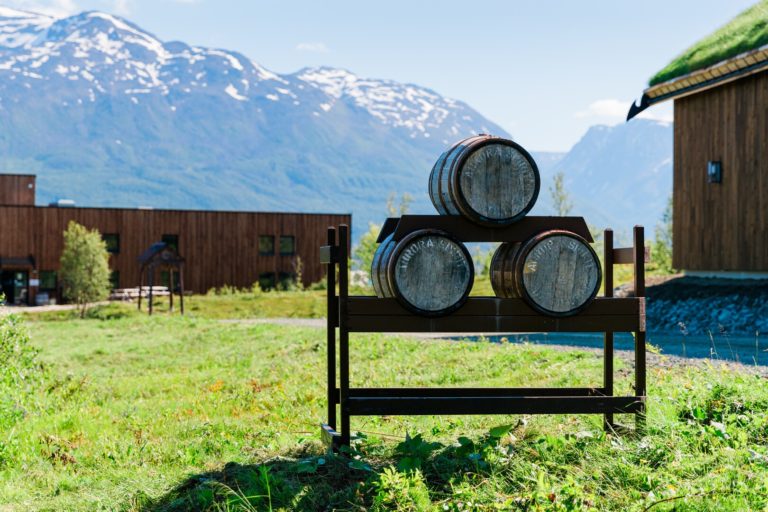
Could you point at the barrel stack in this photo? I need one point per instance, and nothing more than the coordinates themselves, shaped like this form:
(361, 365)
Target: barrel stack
(492, 182)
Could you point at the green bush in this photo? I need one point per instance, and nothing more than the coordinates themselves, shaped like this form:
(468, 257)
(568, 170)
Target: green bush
(21, 374)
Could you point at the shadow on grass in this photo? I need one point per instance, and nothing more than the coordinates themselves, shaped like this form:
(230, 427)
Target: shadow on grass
(312, 483)
(308, 481)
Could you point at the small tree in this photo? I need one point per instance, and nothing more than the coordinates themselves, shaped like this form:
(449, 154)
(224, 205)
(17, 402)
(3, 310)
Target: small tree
(84, 267)
(560, 199)
(366, 247)
(661, 250)
(405, 203)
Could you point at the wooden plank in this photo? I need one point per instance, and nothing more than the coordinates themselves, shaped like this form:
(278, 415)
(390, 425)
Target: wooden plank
(489, 306)
(17, 189)
(626, 255)
(488, 324)
(722, 226)
(419, 406)
(332, 321)
(328, 435)
(608, 260)
(467, 231)
(469, 392)
(388, 228)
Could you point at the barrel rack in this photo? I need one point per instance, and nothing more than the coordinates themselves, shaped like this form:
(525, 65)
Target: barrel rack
(605, 314)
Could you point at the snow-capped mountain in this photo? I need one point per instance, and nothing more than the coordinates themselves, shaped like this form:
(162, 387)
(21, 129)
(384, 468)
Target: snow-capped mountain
(109, 115)
(617, 176)
(106, 113)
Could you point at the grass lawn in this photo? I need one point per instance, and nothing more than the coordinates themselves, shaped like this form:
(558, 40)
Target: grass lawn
(169, 413)
(246, 304)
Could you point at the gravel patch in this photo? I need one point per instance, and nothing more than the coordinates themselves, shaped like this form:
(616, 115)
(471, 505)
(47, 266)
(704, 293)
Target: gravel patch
(690, 305)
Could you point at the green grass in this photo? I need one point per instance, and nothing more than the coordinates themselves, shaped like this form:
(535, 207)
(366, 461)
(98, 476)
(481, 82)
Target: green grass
(167, 413)
(747, 31)
(232, 304)
(244, 304)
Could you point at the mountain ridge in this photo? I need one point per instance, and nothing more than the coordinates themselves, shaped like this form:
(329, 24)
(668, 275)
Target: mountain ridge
(109, 115)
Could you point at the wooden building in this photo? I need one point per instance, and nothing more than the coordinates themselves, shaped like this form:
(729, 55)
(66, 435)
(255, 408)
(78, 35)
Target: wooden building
(220, 248)
(720, 196)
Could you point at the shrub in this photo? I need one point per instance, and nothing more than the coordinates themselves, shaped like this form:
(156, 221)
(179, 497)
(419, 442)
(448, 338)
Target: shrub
(84, 266)
(21, 374)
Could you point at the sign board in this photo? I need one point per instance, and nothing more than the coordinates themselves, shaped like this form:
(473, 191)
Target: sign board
(34, 282)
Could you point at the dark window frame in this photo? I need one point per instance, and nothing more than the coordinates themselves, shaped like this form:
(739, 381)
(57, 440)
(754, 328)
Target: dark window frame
(268, 281)
(263, 252)
(292, 238)
(113, 236)
(55, 280)
(171, 240)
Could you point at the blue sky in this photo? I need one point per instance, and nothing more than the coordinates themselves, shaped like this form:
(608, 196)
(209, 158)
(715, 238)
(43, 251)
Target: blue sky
(544, 70)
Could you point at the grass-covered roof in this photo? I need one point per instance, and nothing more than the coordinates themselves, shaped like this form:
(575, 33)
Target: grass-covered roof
(747, 31)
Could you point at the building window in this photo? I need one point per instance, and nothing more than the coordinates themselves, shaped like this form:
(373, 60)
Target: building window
(266, 245)
(113, 242)
(267, 280)
(47, 280)
(287, 245)
(114, 279)
(171, 241)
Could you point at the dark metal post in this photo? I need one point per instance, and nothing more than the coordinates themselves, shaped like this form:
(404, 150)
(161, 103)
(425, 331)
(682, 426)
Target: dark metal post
(608, 336)
(343, 253)
(333, 320)
(141, 285)
(151, 286)
(181, 288)
(170, 289)
(640, 369)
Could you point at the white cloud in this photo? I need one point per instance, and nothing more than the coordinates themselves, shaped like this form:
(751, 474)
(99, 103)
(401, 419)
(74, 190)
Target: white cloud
(316, 47)
(613, 111)
(605, 108)
(122, 7)
(49, 7)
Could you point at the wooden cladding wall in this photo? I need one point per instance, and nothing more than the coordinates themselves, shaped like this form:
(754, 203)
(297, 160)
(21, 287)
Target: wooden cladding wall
(17, 189)
(722, 226)
(219, 247)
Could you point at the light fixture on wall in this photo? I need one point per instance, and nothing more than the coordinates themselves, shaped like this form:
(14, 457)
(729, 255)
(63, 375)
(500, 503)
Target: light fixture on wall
(714, 171)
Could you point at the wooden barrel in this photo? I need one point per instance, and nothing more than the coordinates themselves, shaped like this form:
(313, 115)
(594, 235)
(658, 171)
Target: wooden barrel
(489, 180)
(556, 272)
(429, 271)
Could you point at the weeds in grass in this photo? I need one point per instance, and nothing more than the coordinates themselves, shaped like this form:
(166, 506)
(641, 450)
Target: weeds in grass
(120, 421)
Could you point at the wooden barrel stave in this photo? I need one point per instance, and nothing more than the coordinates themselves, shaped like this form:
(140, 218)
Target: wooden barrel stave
(375, 274)
(387, 246)
(447, 194)
(556, 272)
(435, 190)
(429, 272)
(489, 180)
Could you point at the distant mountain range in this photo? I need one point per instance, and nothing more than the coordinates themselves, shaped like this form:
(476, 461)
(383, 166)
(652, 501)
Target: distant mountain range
(108, 115)
(617, 176)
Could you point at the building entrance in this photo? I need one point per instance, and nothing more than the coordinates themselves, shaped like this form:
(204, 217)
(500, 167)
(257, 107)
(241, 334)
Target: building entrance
(14, 284)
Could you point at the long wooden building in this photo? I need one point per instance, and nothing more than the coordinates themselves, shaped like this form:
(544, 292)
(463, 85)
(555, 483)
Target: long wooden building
(220, 248)
(720, 196)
